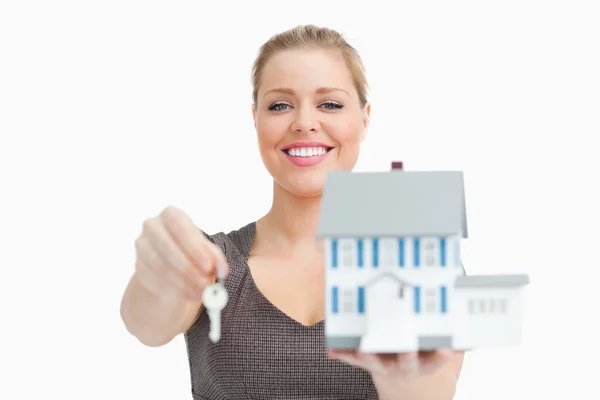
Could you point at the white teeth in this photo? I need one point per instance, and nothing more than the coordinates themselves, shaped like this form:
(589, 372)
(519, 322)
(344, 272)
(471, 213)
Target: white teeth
(306, 151)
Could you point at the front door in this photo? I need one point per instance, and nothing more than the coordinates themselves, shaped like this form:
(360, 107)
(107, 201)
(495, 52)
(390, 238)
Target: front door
(390, 324)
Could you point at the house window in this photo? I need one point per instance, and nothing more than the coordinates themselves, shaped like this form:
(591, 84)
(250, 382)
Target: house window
(430, 300)
(471, 306)
(347, 253)
(486, 306)
(431, 252)
(502, 306)
(482, 305)
(347, 301)
(388, 251)
(457, 261)
(429, 260)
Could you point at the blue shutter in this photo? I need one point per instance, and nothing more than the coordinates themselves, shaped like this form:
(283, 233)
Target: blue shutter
(457, 253)
(401, 252)
(443, 304)
(334, 253)
(417, 247)
(361, 299)
(417, 291)
(359, 244)
(443, 252)
(334, 299)
(375, 252)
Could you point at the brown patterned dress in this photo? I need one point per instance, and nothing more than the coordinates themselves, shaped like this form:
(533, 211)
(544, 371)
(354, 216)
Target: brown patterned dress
(263, 353)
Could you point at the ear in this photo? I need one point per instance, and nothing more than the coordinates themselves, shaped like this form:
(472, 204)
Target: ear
(254, 114)
(366, 121)
(363, 135)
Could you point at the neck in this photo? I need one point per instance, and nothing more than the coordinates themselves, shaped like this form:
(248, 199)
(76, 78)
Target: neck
(291, 223)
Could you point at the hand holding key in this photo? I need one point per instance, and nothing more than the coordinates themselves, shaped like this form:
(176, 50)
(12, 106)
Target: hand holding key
(175, 259)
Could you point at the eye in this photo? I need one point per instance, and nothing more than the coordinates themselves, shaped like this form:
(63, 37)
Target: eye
(332, 105)
(278, 107)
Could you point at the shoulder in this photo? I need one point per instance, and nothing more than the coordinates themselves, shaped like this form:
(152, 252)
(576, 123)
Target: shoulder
(235, 244)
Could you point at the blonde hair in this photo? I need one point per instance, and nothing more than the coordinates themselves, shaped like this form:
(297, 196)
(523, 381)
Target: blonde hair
(311, 37)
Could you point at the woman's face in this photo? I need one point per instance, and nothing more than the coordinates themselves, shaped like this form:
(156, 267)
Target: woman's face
(308, 119)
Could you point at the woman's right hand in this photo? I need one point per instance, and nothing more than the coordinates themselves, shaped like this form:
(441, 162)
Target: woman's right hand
(174, 258)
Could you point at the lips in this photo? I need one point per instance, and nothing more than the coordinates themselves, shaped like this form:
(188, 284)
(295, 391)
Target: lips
(306, 157)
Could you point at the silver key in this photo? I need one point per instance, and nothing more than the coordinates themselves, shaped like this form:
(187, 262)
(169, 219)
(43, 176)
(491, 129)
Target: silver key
(214, 299)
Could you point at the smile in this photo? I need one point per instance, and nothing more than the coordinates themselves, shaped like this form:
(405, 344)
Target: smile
(307, 151)
(306, 154)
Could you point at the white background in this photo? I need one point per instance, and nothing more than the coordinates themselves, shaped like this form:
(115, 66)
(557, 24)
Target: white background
(112, 110)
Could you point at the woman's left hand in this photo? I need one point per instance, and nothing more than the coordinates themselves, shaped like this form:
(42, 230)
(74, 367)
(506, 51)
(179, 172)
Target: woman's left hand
(396, 365)
(417, 375)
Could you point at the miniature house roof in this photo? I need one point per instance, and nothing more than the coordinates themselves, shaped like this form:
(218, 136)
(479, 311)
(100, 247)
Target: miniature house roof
(393, 203)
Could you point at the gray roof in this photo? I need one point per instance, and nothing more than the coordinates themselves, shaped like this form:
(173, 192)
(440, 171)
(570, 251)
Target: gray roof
(491, 281)
(393, 203)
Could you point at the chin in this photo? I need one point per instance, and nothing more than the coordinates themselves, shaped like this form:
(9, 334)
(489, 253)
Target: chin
(305, 184)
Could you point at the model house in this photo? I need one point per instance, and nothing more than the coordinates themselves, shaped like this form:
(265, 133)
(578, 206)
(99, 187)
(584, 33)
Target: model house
(394, 277)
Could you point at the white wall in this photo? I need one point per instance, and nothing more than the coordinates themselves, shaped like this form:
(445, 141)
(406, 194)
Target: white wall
(111, 110)
(498, 324)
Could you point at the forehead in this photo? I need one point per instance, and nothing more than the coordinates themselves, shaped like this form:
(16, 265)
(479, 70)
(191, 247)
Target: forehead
(306, 70)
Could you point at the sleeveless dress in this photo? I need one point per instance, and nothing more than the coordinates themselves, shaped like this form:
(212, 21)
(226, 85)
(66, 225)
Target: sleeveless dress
(263, 353)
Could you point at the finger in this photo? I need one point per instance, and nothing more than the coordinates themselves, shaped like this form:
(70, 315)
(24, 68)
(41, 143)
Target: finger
(407, 363)
(433, 360)
(185, 234)
(348, 357)
(378, 363)
(388, 359)
(336, 353)
(148, 279)
(220, 261)
(171, 254)
(435, 355)
(191, 240)
(156, 283)
(161, 278)
(166, 277)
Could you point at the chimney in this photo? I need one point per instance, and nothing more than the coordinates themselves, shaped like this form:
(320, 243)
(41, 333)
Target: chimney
(397, 165)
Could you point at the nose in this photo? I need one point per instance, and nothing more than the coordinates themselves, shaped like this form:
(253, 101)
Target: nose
(305, 123)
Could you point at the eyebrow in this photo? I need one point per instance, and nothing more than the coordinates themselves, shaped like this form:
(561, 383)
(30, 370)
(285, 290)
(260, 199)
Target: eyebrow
(319, 90)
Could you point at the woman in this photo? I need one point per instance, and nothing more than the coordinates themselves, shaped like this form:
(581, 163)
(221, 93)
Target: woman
(311, 114)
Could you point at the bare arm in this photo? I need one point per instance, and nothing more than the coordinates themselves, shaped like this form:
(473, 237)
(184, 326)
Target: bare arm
(155, 320)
